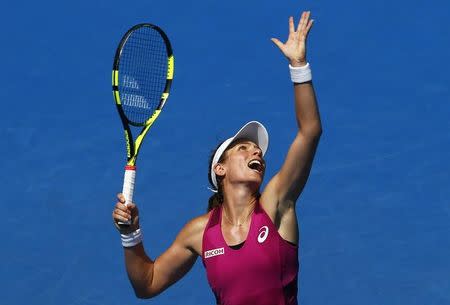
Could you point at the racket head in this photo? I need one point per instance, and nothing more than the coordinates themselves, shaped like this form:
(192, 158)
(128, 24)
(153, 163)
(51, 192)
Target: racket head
(142, 74)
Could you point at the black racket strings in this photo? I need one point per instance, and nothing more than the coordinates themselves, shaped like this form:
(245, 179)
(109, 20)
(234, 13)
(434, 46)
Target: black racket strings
(143, 73)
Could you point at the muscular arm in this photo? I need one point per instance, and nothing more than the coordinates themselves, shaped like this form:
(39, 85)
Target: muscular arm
(282, 192)
(292, 177)
(148, 277)
(285, 187)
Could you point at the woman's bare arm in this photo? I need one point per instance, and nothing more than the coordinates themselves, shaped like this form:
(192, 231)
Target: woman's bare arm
(280, 195)
(150, 277)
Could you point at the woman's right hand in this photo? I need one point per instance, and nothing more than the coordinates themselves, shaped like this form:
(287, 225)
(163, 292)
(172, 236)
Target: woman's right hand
(124, 213)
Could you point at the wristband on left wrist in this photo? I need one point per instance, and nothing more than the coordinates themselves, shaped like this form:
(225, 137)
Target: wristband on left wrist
(301, 74)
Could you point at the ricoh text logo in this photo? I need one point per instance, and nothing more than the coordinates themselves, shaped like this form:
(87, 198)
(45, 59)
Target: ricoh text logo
(214, 252)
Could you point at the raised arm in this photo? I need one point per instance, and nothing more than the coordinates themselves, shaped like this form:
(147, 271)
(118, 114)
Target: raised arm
(286, 186)
(150, 277)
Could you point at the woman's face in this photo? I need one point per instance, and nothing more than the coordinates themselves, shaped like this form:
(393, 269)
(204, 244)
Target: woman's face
(243, 162)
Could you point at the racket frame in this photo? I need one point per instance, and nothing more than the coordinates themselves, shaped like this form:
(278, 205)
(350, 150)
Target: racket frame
(133, 147)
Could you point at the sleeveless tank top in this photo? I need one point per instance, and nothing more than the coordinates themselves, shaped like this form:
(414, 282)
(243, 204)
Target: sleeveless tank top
(261, 272)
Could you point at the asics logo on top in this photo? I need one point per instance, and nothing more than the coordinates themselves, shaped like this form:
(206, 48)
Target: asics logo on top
(263, 233)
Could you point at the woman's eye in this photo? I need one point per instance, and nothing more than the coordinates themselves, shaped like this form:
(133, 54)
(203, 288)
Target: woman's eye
(242, 147)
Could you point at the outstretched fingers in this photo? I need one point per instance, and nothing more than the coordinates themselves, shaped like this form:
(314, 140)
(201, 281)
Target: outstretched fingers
(303, 21)
(308, 27)
(291, 25)
(295, 46)
(304, 24)
(278, 43)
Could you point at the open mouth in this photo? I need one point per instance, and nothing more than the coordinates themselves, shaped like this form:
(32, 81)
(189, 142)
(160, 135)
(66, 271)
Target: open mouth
(256, 165)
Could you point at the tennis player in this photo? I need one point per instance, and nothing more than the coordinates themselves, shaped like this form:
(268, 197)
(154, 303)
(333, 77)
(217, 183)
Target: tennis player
(248, 240)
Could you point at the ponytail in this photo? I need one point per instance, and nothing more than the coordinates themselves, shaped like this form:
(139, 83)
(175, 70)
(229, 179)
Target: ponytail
(215, 200)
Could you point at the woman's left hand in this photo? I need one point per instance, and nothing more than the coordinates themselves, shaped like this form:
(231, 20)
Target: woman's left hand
(295, 47)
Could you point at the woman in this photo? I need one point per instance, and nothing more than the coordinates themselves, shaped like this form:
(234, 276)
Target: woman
(247, 240)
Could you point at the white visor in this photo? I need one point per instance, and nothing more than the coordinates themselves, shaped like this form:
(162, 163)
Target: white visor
(253, 131)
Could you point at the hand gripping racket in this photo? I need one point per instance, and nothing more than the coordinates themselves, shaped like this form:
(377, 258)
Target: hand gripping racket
(141, 79)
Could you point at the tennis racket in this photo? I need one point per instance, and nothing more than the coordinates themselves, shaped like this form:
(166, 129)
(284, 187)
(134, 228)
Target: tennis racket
(141, 78)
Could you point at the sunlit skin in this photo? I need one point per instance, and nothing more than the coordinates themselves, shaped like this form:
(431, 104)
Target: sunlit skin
(241, 188)
(235, 170)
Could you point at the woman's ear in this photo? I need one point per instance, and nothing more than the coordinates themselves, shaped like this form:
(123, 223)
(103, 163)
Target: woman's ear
(219, 169)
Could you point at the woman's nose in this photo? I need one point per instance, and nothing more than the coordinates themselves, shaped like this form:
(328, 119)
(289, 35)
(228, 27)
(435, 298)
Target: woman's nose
(257, 151)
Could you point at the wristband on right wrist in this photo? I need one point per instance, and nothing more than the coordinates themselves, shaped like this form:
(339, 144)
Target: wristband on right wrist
(131, 239)
(300, 75)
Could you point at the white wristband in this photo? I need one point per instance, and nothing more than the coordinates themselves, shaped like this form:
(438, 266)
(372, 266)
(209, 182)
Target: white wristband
(300, 74)
(131, 239)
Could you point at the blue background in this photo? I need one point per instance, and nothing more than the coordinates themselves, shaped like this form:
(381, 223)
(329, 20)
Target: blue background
(374, 217)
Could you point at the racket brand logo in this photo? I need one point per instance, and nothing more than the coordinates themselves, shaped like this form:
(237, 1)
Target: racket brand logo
(129, 82)
(127, 140)
(135, 101)
(263, 233)
(170, 68)
(214, 252)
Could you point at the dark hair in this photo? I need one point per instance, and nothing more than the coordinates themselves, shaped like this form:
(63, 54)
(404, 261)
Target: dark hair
(217, 198)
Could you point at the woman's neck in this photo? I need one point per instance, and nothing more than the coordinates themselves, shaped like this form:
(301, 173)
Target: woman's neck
(238, 205)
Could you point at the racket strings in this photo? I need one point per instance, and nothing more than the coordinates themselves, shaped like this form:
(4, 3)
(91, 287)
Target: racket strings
(143, 73)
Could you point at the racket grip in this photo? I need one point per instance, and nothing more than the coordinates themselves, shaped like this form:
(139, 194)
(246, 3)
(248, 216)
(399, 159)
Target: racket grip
(128, 187)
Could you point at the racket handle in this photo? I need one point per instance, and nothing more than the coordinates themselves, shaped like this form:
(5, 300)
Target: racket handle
(128, 187)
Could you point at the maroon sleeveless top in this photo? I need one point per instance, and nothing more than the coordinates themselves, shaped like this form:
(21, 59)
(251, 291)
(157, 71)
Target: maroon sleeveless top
(262, 272)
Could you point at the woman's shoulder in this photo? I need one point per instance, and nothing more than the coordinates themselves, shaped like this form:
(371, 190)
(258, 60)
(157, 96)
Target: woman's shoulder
(192, 232)
(198, 223)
